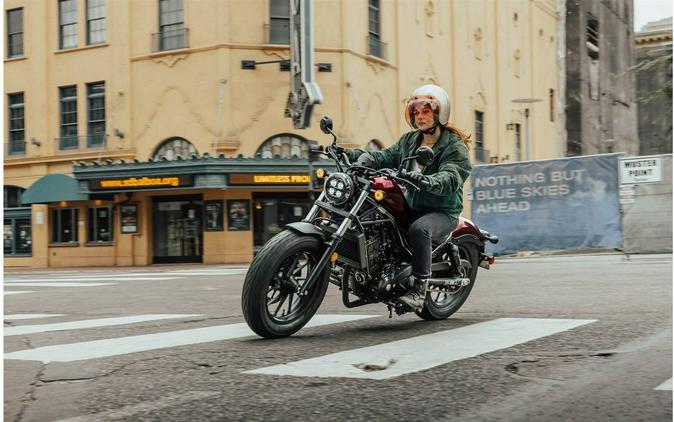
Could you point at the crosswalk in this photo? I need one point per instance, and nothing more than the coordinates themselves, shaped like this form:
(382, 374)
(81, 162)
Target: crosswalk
(71, 279)
(376, 362)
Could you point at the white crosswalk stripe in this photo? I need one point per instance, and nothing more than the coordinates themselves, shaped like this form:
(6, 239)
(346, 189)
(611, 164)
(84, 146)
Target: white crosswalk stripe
(90, 323)
(124, 345)
(25, 282)
(58, 284)
(17, 292)
(667, 385)
(396, 358)
(17, 317)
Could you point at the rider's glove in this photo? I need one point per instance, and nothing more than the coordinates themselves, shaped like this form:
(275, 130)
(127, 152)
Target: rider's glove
(415, 177)
(365, 160)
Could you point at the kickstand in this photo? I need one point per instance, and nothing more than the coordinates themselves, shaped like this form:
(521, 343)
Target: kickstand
(390, 311)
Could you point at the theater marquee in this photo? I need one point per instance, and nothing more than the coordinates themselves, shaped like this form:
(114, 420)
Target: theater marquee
(268, 179)
(141, 182)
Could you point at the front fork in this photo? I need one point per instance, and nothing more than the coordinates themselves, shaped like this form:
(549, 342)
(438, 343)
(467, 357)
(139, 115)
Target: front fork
(334, 241)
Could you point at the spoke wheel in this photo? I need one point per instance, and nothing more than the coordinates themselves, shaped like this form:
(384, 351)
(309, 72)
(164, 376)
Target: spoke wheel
(270, 302)
(442, 304)
(283, 302)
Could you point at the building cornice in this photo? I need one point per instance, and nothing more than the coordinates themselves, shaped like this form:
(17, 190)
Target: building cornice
(85, 155)
(260, 47)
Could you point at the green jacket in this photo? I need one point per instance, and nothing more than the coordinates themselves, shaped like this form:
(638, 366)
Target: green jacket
(447, 174)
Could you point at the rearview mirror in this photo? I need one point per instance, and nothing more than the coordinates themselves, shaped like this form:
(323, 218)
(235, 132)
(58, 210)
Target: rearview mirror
(425, 156)
(326, 124)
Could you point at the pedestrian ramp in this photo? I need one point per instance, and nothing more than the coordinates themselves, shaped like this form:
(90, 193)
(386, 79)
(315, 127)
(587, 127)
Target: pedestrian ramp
(379, 361)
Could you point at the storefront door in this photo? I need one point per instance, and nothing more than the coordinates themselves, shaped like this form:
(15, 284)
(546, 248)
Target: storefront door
(272, 211)
(177, 229)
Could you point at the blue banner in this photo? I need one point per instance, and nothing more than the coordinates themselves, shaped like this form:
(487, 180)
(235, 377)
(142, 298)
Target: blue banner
(568, 203)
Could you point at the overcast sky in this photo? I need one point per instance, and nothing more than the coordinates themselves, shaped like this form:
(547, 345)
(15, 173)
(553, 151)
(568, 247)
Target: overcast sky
(650, 10)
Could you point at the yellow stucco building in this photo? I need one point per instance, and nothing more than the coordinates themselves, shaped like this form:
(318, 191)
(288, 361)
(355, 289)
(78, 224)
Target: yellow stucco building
(92, 85)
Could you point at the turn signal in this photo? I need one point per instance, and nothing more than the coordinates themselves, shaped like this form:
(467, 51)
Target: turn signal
(378, 195)
(320, 173)
(491, 260)
(333, 257)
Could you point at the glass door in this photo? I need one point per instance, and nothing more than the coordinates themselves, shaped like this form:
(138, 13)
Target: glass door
(177, 230)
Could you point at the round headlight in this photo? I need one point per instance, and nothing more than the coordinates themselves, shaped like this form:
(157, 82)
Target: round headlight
(338, 188)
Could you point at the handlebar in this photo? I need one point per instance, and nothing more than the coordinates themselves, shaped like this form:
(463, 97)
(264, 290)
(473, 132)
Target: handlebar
(391, 173)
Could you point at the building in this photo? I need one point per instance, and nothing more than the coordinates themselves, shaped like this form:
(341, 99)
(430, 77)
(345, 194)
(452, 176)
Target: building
(140, 132)
(654, 87)
(601, 112)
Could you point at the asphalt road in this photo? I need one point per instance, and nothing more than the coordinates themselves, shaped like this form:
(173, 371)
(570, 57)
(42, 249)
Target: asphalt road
(579, 338)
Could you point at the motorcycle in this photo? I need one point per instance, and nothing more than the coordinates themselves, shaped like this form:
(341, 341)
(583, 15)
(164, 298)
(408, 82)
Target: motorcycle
(354, 236)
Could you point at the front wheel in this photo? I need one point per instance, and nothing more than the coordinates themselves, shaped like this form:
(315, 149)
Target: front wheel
(442, 304)
(271, 305)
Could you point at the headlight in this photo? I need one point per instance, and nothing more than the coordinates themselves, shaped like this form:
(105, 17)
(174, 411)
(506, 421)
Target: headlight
(338, 188)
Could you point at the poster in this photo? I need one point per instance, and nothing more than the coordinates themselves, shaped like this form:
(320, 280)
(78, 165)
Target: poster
(214, 217)
(238, 215)
(567, 203)
(129, 218)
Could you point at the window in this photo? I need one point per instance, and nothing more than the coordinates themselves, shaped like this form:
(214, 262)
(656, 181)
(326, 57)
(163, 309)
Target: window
(592, 36)
(68, 95)
(12, 196)
(14, 33)
(375, 46)
(552, 105)
(17, 236)
(175, 147)
(96, 114)
(100, 225)
(284, 146)
(67, 24)
(64, 225)
(17, 136)
(95, 21)
(171, 30)
(518, 142)
(279, 22)
(480, 153)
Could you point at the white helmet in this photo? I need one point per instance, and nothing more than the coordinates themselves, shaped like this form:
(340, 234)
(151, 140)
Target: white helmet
(432, 95)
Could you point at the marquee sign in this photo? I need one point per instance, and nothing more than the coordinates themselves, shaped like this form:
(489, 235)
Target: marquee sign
(268, 179)
(132, 183)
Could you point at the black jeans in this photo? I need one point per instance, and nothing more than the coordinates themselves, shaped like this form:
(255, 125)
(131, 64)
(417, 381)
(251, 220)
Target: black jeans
(425, 228)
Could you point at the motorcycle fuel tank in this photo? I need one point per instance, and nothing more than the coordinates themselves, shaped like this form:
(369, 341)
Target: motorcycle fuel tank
(394, 199)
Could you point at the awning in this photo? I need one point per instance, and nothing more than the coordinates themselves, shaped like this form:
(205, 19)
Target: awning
(53, 188)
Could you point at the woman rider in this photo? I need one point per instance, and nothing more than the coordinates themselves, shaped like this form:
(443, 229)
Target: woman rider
(436, 208)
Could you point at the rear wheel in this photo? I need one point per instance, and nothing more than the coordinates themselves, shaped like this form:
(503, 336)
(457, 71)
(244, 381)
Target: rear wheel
(442, 304)
(271, 306)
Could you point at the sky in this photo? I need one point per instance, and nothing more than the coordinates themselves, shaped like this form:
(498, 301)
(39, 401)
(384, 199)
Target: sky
(650, 10)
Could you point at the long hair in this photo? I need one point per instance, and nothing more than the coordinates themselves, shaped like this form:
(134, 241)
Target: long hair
(464, 137)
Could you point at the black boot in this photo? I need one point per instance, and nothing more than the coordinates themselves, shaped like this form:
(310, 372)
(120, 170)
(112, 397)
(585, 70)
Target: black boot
(416, 297)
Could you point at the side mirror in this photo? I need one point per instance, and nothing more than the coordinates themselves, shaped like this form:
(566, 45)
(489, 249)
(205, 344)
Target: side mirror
(326, 124)
(425, 156)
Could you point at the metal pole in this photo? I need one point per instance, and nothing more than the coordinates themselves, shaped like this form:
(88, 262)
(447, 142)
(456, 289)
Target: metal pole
(526, 131)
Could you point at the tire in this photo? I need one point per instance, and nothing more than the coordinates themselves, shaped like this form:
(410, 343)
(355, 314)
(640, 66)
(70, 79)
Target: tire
(436, 309)
(267, 282)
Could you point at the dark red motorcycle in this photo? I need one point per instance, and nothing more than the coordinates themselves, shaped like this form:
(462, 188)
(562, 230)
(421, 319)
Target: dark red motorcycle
(354, 236)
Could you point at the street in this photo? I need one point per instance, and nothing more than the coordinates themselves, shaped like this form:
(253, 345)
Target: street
(557, 338)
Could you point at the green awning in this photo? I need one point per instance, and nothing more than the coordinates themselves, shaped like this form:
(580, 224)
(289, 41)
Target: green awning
(53, 188)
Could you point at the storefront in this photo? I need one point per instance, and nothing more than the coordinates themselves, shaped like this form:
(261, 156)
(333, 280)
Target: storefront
(201, 210)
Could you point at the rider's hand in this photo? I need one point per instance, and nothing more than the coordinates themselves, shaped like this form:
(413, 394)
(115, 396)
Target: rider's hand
(365, 160)
(415, 177)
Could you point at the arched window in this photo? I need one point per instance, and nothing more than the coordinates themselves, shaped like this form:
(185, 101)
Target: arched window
(174, 147)
(284, 146)
(374, 145)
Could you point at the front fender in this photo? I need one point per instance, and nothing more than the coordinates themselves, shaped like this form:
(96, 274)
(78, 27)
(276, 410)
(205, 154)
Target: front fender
(302, 227)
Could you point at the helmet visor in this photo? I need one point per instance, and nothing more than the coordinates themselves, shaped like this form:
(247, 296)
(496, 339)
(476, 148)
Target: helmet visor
(423, 109)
